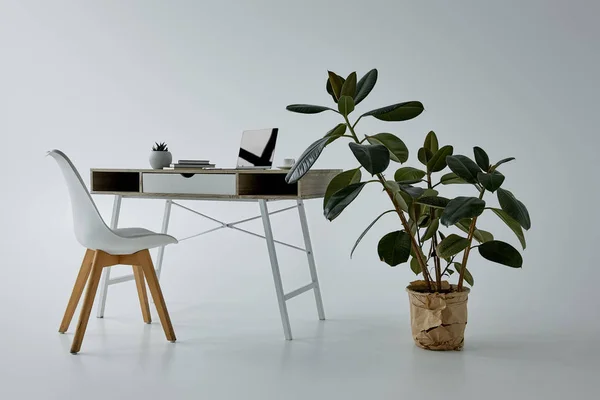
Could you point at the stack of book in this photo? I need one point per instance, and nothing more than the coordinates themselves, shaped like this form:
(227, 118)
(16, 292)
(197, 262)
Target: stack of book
(187, 164)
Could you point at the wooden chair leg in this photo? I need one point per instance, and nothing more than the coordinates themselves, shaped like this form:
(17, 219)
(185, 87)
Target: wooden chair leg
(82, 277)
(88, 301)
(156, 292)
(140, 282)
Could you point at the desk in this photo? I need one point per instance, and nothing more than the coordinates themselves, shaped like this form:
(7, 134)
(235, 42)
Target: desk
(261, 186)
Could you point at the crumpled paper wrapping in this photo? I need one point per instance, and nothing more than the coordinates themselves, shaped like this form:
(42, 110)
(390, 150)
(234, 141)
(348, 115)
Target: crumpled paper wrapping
(438, 320)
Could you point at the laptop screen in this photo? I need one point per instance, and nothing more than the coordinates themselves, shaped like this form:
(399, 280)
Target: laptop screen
(257, 148)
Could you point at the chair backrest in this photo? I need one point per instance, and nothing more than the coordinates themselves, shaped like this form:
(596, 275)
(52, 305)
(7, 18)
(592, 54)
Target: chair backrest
(90, 228)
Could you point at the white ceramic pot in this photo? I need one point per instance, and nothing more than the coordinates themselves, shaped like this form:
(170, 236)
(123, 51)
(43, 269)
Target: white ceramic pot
(160, 159)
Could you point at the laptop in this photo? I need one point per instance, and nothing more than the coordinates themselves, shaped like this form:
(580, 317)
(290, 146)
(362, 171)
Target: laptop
(257, 149)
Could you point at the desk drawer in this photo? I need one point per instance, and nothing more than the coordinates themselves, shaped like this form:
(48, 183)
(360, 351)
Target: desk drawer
(215, 184)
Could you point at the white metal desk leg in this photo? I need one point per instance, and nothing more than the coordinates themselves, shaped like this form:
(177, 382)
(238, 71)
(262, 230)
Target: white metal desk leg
(311, 260)
(164, 229)
(285, 319)
(114, 222)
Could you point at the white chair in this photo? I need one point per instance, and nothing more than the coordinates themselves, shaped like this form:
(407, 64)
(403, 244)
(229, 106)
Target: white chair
(107, 247)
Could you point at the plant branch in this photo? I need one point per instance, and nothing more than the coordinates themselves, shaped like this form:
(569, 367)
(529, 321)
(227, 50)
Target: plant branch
(448, 265)
(356, 122)
(463, 267)
(434, 243)
(351, 128)
(415, 246)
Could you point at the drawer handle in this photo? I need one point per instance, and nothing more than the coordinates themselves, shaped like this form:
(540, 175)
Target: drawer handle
(187, 175)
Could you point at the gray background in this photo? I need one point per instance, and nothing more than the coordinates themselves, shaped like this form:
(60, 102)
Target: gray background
(104, 80)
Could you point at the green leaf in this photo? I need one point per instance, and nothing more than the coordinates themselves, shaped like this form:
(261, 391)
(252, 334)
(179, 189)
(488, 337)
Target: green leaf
(504, 160)
(349, 86)
(485, 236)
(512, 224)
(397, 148)
(307, 108)
(434, 201)
(398, 195)
(345, 105)
(449, 271)
(452, 245)
(451, 178)
(423, 220)
(438, 160)
(336, 132)
(375, 158)
(306, 160)
(431, 230)
(481, 158)
(394, 248)
(336, 82)
(431, 142)
(464, 167)
(362, 235)
(478, 234)
(414, 211)
(409, 175)
(424, 155)
(330, 90)
(340, 181)
(413, 191)
(514, 208)
(467, 275)
(365, 85)
(490, 181)
(415, 266)
(461, 207)
(430, 193)
(341, 199)
(397, 112)
(501, 253)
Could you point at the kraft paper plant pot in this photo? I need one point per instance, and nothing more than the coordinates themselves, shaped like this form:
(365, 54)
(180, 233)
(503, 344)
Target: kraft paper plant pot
(160, 159)
(438, 320)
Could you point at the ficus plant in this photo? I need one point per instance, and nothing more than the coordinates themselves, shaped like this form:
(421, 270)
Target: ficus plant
(413, 192)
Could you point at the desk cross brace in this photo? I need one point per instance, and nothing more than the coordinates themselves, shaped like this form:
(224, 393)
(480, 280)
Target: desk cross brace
(232, 225)
(282, 297)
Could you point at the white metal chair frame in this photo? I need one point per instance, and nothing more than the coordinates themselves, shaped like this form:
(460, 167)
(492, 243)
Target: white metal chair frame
(282, 297)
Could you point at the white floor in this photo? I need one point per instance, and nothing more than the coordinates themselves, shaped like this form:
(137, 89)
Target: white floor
(235, 350)
(522, 342)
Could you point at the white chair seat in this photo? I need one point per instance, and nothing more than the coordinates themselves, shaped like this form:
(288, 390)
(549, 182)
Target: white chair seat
(132, 240)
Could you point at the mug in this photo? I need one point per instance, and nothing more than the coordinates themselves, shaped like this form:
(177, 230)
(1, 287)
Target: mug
(288, 162)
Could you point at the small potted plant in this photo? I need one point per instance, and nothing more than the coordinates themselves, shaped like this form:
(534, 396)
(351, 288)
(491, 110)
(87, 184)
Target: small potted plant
(438, 309)
(160, 157)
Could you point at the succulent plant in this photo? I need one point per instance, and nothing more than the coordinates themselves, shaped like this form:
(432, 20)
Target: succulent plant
(160, 147)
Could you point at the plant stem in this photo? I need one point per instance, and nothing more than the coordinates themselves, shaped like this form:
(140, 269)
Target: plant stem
(463, 267)
(434, 243)
(355, 123)
(415, 246)
(349, 125)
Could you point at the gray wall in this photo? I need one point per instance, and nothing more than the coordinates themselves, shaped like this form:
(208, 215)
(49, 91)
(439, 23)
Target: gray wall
(104, 80)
